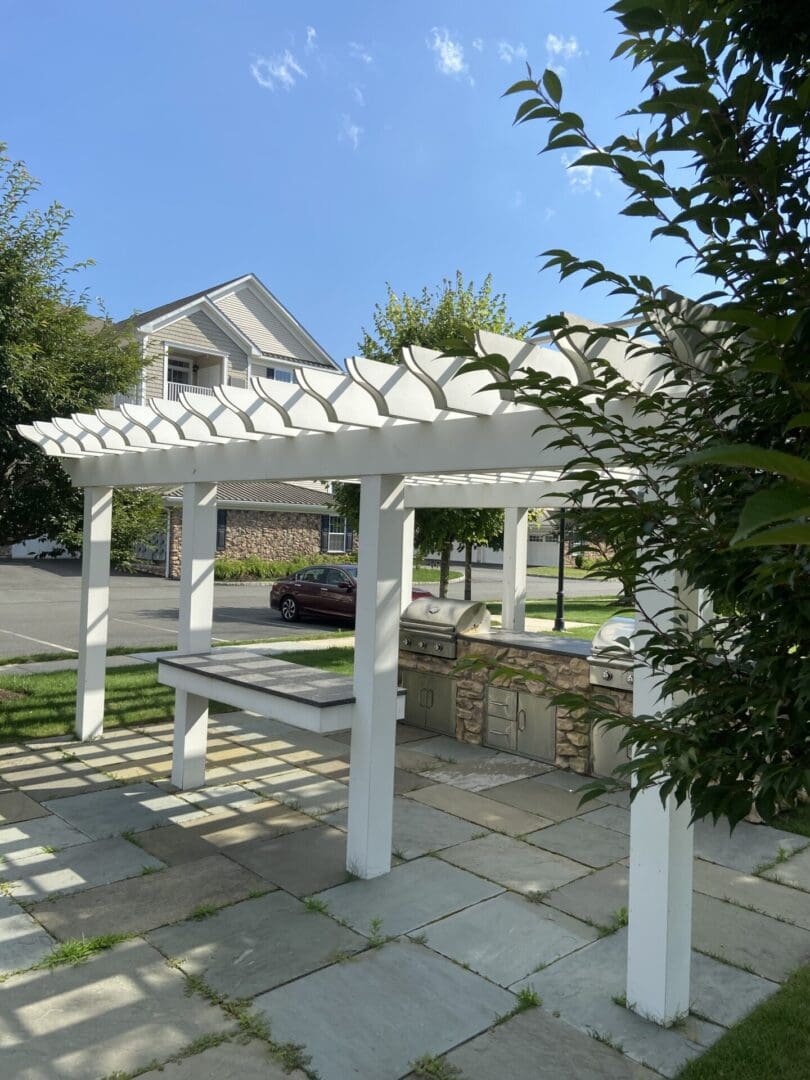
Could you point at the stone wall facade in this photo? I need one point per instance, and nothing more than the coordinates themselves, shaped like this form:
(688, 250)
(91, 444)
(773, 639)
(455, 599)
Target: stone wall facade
(564, 671)
(268, 534)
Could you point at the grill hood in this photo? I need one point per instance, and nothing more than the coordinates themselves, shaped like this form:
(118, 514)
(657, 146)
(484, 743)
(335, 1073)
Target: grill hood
(431, 613)
(606, 645)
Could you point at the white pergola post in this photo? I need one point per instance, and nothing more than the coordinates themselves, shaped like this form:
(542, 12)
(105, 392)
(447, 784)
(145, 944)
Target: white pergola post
(515, 557)
(196, 615)
(661, 842)
(94, 612)
(406, 579)
(371, 778)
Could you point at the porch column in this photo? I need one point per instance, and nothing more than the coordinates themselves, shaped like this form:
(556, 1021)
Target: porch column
(371, 776)
(515, 556)
(94, 612)
(409, 522)
(196, 613)
(661, 841)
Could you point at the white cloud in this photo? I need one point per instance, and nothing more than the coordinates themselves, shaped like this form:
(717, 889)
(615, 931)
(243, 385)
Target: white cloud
(449, 53)
(558, 49)
(357, 94)
(312, 39)
(508, 53)
(478, 44)
(580, 177)
(349, 131)
(549, 213)
(360, 52)
(273, 71)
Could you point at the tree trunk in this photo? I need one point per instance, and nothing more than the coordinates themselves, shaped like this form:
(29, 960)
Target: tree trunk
(444, 569)
(468, 571)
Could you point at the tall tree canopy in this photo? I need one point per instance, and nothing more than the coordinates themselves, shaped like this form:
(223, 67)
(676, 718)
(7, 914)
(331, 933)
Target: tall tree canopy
(54, 360)
(450, 311)
(715, 156)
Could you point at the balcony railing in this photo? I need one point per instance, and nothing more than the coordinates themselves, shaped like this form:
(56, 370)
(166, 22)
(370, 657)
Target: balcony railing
(175, 389)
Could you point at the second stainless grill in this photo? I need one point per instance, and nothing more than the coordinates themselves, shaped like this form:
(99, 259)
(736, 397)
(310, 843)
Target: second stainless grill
(431, 625)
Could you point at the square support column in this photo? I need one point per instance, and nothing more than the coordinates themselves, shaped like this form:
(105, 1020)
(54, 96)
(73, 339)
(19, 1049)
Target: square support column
(515, 557)
(371, 777)
(94, 612)
(659, 943)
(196, 615)
(408, 527)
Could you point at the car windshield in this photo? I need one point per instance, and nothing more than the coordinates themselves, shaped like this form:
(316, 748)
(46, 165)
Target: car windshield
(350, 570)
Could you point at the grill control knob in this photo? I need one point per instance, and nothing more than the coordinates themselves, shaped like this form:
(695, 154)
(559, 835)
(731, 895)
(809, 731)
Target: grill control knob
(421, 644)
(438, 646)
(630, 678)
(607, 676)
(406, 641)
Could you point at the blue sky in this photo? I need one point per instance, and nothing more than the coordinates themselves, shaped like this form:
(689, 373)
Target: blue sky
(328, 147)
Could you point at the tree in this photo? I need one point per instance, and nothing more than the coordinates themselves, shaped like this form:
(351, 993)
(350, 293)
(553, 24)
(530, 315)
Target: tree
(716, 157)
(54, 360)
(431, 320)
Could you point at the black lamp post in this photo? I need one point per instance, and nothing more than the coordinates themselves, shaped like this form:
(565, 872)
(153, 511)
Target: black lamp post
(559, 618)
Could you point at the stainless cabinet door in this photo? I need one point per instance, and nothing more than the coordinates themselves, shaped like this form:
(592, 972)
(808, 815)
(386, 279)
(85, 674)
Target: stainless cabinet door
(415, 697)
(440, 713)
(606, 753)
(536, 727)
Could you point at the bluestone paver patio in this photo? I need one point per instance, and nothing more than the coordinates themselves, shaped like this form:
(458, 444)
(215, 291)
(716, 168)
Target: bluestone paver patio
(215, 885)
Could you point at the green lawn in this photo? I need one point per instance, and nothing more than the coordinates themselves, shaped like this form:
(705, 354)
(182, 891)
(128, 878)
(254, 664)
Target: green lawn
(551, 571)
(797, 821)
(771, 1043)
(134, 696)
(423, 574)
(590, 610)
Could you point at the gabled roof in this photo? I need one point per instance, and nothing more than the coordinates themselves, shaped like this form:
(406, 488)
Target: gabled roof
(264, 492)
(157, 318)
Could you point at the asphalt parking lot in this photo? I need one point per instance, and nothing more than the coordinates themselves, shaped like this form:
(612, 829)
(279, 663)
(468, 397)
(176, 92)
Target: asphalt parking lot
(39, 607)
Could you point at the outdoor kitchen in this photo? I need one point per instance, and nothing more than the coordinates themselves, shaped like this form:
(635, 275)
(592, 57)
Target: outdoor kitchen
(512, 712)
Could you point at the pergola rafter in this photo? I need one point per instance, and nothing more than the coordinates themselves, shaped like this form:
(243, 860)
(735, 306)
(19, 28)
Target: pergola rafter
(415, 434)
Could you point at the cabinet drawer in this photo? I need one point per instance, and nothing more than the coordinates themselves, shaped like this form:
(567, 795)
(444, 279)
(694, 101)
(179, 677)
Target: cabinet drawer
(500, 734)
(502, 703)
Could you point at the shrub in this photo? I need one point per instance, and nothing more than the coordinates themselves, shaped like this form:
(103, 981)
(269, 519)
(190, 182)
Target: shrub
(255, 569)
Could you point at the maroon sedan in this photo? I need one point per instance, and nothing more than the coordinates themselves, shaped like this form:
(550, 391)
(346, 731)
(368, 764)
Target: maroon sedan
(320, 590)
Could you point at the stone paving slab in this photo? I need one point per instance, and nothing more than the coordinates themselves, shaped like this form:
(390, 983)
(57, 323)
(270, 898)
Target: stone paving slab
(227, 827)
(411, 895)
(220, 795)
(537, 1045)
(126, 754)
(450, 750)
(173, 844)
(583, 842)
(794, 872)
(133, 808)
(29, 837)
(302, 863)
(144, 903)
(608, 817)
(231, 1061)
(539, 798)
(16, 806)
(513, 864)
(114, 1014)
(305, 791)
(418, 761)
(724, 994)
(482, 775)
(580, 988)
(507, 938)
(82, 866)
(403, 999)
(23, 942)
(52, 772)
(748, 891)
(747, 847)
(407, 781)
(566, 780)
(291, 744)
(333, 769)
(419, 829)
(596, 898)
(746, 938)
(480, 810)
(254, 946)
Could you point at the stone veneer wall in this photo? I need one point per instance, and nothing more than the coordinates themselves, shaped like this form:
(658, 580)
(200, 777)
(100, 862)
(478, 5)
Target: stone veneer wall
(565, 671)
(269, 534)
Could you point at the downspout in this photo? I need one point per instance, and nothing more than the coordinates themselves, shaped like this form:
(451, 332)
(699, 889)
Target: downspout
(167, 567)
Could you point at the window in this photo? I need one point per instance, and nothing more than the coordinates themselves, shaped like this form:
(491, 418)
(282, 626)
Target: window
(179, 370)
(222, 529)
(279, 374)
(336, 536)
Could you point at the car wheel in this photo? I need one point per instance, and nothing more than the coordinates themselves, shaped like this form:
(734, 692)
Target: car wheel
(289, 609)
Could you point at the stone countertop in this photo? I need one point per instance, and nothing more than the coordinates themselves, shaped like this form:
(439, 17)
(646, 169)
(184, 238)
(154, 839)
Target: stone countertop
(532, 642)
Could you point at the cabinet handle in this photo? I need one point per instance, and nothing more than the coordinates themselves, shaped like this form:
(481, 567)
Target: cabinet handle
(521, 719)
(430, 699)
(422, 695)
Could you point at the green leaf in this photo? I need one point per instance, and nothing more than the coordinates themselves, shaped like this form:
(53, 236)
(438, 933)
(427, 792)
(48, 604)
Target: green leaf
(641, 209)
(780, 534)
(780, 503)
(744, 456)
(552, 85)
(522, 87)
(801, 420)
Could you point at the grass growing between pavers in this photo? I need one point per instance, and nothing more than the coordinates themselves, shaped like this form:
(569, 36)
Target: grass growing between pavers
(590, 610)
(47, 703)
(771, 1043)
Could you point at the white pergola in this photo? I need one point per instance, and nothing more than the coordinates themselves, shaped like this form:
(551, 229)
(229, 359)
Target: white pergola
(417, 434)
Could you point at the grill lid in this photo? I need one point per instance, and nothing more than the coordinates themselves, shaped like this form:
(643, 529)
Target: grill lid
(445, 616)
(606, 644)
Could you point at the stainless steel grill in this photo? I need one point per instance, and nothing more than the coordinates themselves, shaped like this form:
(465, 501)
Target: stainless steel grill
(611, 659)
(431, 625)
